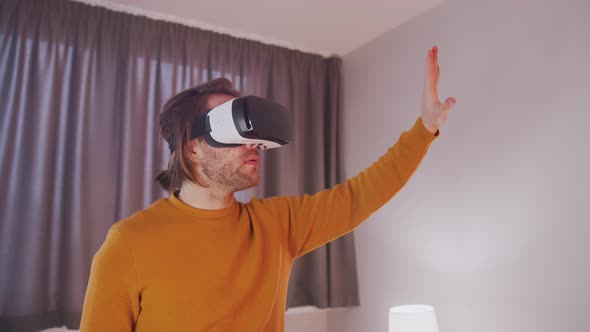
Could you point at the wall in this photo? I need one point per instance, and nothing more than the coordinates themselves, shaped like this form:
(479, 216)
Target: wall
(492, 229)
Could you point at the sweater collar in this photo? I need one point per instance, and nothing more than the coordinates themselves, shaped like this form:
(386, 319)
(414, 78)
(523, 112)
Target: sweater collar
(204, 213)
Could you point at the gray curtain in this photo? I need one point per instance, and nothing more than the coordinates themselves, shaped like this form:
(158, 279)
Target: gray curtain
(80, 92)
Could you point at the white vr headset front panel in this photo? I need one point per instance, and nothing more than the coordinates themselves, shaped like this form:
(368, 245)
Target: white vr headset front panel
(223, 129)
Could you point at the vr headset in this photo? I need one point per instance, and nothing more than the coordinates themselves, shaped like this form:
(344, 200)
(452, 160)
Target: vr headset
(245, 120)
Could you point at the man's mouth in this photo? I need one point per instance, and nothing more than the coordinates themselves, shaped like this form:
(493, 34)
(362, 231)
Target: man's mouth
(251, 160)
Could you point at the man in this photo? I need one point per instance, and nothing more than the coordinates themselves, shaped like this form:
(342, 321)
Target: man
(201, 261)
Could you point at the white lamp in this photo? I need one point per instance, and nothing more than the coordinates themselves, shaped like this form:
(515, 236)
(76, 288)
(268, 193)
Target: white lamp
(412, 318)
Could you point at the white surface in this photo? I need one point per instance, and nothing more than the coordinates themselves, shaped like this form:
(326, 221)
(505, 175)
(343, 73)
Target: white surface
(299, 319)
(324, 27)
(493, 228)
(306, 319)
(412, 318)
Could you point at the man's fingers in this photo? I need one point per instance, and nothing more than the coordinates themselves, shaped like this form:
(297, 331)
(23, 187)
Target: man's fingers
(435, 51)
(448, 104)
(432, 74)
(430, 69)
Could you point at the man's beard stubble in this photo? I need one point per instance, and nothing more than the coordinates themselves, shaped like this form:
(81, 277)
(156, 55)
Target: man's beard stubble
(229, 175)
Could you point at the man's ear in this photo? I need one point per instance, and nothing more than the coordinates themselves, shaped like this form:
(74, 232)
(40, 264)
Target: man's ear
(191, 151)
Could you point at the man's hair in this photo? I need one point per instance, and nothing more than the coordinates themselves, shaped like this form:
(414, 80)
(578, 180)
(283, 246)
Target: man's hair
(176, 120)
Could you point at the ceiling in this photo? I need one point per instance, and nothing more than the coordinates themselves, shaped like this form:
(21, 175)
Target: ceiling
(326, 27)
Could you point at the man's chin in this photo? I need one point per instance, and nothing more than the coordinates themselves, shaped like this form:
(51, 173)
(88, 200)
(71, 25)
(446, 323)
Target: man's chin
(253, 177)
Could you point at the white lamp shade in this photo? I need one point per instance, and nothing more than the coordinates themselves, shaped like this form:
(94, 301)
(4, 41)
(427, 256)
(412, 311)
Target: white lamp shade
(412, 318)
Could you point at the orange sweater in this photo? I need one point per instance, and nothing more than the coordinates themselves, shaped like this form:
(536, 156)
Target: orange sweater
(173, 267)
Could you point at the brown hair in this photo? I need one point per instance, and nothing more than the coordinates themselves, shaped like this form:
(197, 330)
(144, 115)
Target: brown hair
(176, 120)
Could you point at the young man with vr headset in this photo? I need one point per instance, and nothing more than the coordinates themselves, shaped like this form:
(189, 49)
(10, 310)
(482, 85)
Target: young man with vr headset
(201, 261)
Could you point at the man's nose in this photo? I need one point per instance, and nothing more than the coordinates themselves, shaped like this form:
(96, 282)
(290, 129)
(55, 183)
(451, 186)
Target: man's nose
(251, 146)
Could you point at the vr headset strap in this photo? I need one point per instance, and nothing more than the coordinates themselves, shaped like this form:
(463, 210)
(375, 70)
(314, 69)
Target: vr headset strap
(200, 126)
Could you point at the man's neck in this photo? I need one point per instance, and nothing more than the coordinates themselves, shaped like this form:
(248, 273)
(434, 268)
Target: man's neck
(205, 198)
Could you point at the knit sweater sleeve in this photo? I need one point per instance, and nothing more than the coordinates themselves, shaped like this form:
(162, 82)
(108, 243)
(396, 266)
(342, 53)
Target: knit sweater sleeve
(313, 220)
(112, 295)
